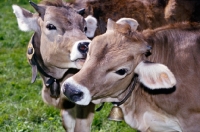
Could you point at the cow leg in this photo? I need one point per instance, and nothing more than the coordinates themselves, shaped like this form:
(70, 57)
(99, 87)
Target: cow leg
(84, 117)
(68, 119)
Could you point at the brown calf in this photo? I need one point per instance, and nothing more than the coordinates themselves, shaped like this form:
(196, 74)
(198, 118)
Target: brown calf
(117, 59)
(58, 44)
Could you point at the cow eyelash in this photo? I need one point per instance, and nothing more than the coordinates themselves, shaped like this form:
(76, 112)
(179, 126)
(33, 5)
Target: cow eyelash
(121, 71)
(51, 27)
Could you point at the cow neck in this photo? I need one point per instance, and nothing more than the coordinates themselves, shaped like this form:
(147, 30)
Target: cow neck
(132, 87)
(51, 82)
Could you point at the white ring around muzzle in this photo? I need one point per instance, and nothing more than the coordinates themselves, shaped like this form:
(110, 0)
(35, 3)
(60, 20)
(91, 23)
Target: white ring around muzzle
(86, 93)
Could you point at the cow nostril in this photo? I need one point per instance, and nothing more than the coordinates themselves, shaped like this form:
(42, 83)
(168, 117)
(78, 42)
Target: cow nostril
(83, 47)
(76, 96)
(72, 93)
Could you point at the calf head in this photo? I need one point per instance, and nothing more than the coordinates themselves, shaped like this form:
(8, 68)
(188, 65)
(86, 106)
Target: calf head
(113, 60)
(60, 40)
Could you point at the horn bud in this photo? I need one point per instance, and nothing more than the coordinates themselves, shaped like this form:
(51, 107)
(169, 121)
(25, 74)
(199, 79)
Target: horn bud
(39, 9)
(81, 11)
(116, 114)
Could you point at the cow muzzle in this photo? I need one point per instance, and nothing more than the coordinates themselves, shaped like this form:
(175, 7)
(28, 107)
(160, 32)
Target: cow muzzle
(76, 92)
(71, 93)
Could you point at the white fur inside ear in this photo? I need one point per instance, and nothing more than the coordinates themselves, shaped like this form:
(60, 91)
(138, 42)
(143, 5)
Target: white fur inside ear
(25, 23)
(155, 75)
(91, 26)
(132, 22)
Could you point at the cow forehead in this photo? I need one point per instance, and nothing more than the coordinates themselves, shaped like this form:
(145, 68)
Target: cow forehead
(106, 43)
(63, 15)
(112, 45)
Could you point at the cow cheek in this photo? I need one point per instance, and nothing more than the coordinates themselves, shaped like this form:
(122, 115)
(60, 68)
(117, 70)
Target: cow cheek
(60, 46)
(58, 40)
(110, 87)
(122, 85)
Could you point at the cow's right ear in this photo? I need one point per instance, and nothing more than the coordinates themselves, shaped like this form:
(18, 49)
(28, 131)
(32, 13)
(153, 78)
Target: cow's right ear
(26, 20)
(155, 75)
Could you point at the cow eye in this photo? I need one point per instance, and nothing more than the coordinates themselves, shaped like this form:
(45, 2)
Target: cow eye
(121, 71)
(51, 27)
(85, 29)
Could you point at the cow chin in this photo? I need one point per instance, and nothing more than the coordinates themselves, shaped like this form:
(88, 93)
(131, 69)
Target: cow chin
(79, 63)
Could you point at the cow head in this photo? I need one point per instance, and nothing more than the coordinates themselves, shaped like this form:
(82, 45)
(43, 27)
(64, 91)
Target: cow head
(60, 40)
(113, 60)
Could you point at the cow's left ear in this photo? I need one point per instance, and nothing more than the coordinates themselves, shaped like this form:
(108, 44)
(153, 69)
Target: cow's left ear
(155, 75)
(130, 21)
(91, 24)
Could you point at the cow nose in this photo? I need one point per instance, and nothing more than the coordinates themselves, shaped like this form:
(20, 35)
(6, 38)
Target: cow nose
(71, 93)
(83, 47)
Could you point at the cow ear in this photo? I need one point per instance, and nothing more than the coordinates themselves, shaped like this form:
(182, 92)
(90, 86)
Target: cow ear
(91, 24)
(124, 28)
(26, 20)
(155, 75)
(111, 25)
(132, 22)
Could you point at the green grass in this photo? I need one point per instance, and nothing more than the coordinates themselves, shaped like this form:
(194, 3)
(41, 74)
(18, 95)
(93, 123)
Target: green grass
(21, 105)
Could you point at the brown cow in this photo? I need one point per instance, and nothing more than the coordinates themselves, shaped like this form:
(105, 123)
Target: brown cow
(149, 13)
(116, 60)
(59, 43)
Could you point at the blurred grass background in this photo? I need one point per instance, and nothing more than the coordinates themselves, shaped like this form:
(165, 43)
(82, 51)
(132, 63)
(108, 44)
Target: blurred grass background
(21, 105)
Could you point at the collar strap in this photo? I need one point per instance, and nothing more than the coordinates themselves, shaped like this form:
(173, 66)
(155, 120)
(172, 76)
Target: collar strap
(51, 82)
(135, 80)
(30, 54)
(132, 86)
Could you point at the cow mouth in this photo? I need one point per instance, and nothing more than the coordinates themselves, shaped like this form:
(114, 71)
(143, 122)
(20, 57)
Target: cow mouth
(79, 62)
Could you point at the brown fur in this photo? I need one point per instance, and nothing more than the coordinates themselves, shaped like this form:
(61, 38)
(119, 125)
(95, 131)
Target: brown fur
(149, 14)
(182, 10)
(56, 3)
(177, 46)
